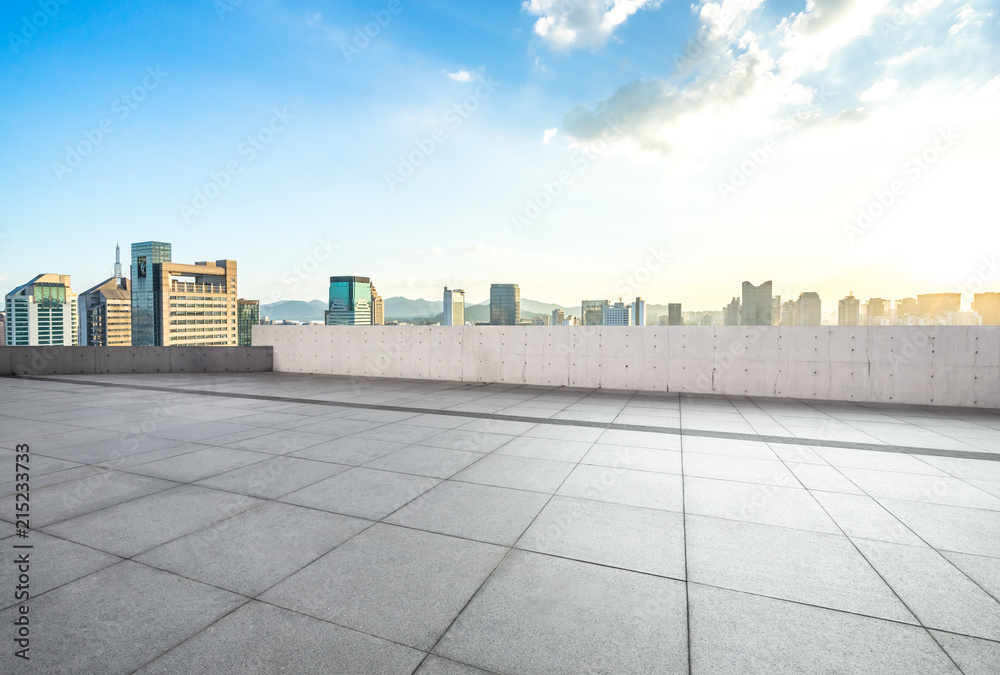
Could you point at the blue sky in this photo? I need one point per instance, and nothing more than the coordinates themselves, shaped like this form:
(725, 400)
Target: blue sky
(581, 148)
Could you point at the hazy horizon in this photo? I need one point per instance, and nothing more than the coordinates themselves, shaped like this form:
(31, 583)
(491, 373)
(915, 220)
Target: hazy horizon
(584, 150)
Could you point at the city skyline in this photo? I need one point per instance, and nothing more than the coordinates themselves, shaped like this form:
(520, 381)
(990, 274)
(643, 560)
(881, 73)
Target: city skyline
(612, 154)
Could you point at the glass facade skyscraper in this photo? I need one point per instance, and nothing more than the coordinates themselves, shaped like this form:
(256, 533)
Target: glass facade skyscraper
(350, 302)
(147, 330)
(755, 310)
(505, 304)
(247, 316)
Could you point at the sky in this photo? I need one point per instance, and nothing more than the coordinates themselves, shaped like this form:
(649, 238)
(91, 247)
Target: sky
(584, 149)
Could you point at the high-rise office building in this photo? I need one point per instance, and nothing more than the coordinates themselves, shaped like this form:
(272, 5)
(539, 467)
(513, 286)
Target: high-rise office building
(105, 313)
(849, 311)
(147, 313)
(731, 313)
(350, 302)
(906, 307)
(558, 316)
(197, 303)
(987, 305)
(540, 320)
(639, 312)
(810, 309)
(454, 307)
(618, 314)
(42, 312)
(592, 312)
(505, 304)
(790, 313)
(935, 305)
(378, 308)
(776, 310)
(674, 315)
(247, 316)
(756, 305)
(877, 307)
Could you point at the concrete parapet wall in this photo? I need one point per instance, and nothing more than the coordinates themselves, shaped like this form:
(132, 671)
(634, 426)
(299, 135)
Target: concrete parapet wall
(932, 365)
(114, 360)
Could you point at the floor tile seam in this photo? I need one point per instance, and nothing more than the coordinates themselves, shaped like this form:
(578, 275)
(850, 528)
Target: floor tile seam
(907, 528)
(176, 484)
(871, 565)
(190, 637)
(679, 431)
(66, 583)
(802, 603)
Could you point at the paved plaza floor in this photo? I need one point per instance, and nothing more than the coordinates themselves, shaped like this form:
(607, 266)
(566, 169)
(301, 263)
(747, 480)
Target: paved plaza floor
(281, 523)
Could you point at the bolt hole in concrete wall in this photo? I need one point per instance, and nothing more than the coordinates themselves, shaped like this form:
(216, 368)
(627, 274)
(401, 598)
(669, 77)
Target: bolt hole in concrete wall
(939, 365)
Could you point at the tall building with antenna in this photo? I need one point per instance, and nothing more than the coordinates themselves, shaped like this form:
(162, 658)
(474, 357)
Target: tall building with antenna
(105, 311)
(118, 262)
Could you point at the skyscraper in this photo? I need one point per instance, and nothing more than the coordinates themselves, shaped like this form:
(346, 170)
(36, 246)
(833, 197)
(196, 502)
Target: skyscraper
(505, 304)
(42, 312)
(848, 311)
(988, 307)
(247, 316)
(592, 312)
(146, 312)
(639, 312)
(378, 308)
(906, 307)
(731, 313)
(674, 315)
(790, 313)
(105, 313)
(3, 329)
(810, 309)
(350, 302)
(196, 303)
(756, 305)
(558, 316)
(618, 314)
(454, 307)
(776, 310)
(877, 308)
(935, 305)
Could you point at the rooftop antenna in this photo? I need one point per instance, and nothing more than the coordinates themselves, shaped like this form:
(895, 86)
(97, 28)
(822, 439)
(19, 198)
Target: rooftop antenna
(118, 262)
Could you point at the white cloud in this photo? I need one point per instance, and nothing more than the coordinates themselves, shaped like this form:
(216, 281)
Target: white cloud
(315, 19)
(480, 248)
(461, 76)
(880, 91)
(437, 251)
(968, 18)
(549, 134)
(566, 24)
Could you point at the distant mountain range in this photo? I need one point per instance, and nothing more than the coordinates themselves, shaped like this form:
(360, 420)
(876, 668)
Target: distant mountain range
(404, 309)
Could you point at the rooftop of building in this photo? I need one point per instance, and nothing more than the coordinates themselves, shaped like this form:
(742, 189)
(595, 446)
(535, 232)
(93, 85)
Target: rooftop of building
(268, 522)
